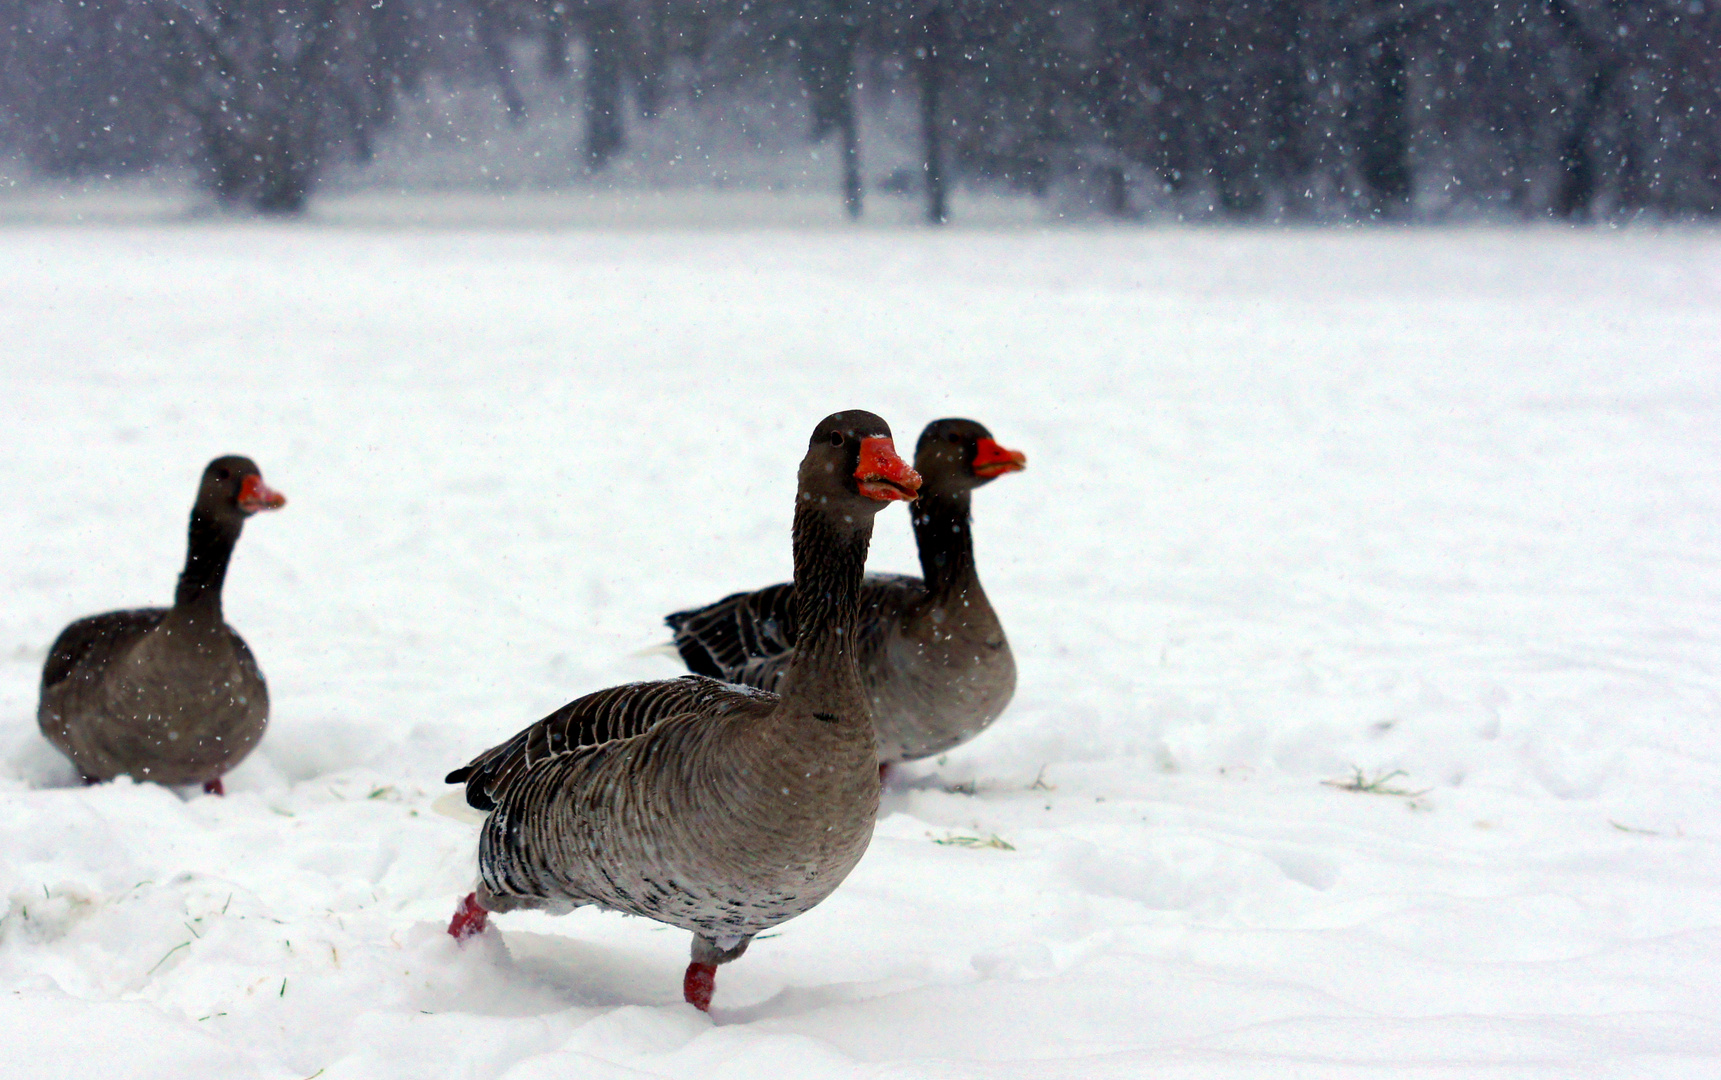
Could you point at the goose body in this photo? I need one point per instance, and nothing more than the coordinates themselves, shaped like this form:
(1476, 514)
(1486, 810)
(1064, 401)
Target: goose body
(173, 694)
(719, 809)
(704, 821)
(933, 659)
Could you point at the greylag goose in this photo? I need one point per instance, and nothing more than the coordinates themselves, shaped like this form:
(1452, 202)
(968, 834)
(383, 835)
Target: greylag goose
(933, 657)
(718, 809)
(171, 695)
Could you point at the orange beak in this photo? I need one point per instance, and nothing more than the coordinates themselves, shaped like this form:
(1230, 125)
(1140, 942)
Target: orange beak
(991, 460)
(255, 495)
(882, 475)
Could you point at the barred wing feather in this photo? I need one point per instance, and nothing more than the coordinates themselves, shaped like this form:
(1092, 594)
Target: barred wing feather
(719, 639)
(620, 712)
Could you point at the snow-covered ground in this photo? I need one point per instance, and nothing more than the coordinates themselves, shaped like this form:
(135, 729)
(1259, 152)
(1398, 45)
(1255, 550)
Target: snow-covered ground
(1442, 507)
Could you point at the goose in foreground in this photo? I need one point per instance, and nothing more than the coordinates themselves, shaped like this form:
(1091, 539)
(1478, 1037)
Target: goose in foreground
(171, 695)
(714, 808)
(933, 657)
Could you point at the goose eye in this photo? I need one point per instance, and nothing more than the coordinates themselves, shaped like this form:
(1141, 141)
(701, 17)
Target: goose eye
(953, 438)
(221, 474)
(836, 438)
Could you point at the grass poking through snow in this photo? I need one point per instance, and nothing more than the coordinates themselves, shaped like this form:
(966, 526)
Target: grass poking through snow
(1380, 784)
(992, 840)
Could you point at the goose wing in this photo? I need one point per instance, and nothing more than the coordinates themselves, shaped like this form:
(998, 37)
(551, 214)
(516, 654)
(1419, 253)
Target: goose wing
(719, 639)
(749, 637)
(93, 641)
(620, 712)
(887, 599)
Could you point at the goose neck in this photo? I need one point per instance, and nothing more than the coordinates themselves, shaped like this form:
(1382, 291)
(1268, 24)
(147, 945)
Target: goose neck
(208, 551)
(943, 533)
(830, 559)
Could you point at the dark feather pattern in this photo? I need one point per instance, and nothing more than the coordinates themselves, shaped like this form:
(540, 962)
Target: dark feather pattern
(719, 639)
(931, 651)
(620, 712)
(90, 642)
(749, 638)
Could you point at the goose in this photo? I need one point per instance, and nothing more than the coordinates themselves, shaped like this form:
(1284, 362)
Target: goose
(718, 809)
(172, 695)
(932, 653)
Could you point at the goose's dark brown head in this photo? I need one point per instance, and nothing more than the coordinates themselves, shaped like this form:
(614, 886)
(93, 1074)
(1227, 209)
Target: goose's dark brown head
(233, 490)
(959, 455)
(852, 465)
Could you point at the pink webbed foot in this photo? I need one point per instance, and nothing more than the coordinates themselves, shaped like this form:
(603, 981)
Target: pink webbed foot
(213, 787)
(469, 919)
(698, 984)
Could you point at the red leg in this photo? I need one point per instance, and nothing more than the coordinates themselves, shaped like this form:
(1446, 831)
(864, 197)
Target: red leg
(469, 919)
(213, 787)
(883, 771)
(697, 985)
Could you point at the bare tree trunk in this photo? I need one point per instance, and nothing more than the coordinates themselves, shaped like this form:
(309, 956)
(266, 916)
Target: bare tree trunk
(1577, 189)
(825, 51)
(501, 68)
(1117, 192)
(1385, 140)
(555, 39)
(851, 159)
(935, 43)
(654, 58)
(1236, 175)
(605, 136)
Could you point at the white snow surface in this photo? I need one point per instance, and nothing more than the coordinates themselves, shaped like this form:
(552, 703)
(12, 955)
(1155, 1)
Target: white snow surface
(1440, 504)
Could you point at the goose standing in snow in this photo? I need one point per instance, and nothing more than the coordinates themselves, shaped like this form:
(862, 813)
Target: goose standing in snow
(933, 656)
(173, 694)
(715, 808)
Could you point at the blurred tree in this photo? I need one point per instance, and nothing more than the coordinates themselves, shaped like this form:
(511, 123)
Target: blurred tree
(609, 30)
(1380, 38)
(1244, 109)
(80, 86)
(932, 54)
(273, 87)
(1592, 36)
(826, 34)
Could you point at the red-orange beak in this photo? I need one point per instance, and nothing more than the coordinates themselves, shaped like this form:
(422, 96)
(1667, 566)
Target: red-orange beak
(991, 460)
(255, 495)
(882, 475)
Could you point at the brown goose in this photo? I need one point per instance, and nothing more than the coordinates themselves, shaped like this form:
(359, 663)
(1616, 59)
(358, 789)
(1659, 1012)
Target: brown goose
(166, 694)
(718, 809)
(932, 654)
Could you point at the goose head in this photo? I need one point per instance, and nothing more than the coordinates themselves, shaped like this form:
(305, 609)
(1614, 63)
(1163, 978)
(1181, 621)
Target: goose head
(959, 455)
(233, 489)
(852, 466)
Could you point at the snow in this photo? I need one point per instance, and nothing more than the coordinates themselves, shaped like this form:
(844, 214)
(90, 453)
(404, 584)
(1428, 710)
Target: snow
(1445, 504)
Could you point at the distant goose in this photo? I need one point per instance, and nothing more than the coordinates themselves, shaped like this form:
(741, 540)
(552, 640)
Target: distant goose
(933, 657)
(715, 808)
(171, 695)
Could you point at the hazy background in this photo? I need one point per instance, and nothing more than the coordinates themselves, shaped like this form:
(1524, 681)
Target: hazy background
(903, 110)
